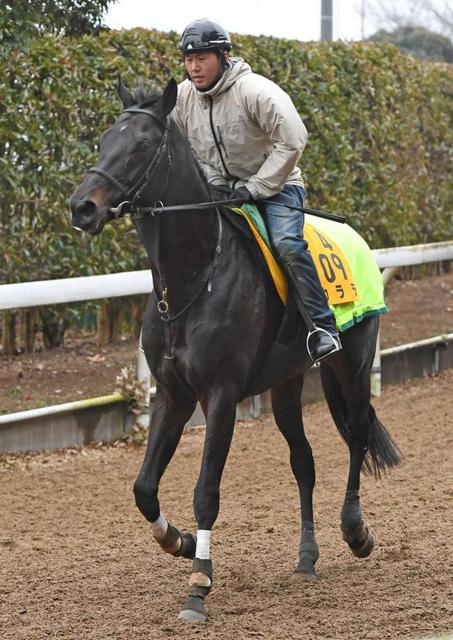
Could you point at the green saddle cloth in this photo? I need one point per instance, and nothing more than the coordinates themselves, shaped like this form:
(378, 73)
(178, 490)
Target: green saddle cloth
(361, 262)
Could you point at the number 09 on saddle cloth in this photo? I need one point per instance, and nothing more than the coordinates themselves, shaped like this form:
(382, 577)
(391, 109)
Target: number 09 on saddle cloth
(345, 264)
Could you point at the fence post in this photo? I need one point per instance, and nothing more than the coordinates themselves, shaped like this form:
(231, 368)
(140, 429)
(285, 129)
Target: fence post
(144, 376)
(376, 371)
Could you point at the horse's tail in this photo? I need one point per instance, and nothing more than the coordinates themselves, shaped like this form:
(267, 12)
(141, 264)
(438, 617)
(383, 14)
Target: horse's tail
(382, 452)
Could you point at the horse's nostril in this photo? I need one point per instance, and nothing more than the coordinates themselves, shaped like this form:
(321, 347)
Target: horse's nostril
(84, 213)
(85, 208)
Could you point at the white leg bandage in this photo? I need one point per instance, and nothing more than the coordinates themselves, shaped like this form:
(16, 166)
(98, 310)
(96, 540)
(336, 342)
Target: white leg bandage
(203, 544)
(160, 527)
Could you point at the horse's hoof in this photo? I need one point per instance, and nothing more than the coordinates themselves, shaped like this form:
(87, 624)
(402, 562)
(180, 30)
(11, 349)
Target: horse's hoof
(305, 570)
(192, 616)
(366, 548)
(301, 576)
(194, 610)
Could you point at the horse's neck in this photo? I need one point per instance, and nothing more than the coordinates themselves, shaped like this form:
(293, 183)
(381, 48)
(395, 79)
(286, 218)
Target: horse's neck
(187, 184)
(181, 245)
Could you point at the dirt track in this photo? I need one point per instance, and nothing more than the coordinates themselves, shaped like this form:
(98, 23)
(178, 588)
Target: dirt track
(77, 560)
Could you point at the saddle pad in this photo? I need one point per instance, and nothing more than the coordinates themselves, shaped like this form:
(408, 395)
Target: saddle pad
(345, 264)
(258, 228)
(332, 266)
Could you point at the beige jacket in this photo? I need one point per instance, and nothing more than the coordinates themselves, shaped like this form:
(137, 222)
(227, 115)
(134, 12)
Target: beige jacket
(244, 131)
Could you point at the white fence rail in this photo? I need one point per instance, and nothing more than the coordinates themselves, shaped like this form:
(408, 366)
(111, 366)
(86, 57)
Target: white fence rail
(414, 254)
(29, 294)
(46, 292)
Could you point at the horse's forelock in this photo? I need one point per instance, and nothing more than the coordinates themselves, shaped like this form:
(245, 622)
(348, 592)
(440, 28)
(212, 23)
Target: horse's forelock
(146, 98)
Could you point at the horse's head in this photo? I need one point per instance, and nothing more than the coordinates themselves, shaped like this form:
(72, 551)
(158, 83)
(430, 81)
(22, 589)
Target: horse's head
(131, 161)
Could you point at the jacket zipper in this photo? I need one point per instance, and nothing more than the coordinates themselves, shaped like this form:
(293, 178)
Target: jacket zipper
(217, 144)
(221, 142)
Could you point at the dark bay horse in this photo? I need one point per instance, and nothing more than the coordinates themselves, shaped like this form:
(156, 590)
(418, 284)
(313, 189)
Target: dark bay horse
(210, 326)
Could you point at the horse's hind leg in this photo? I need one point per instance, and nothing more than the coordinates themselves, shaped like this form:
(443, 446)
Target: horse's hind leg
(287, 408)
(346, 382)
(355, 533)
(167, 423)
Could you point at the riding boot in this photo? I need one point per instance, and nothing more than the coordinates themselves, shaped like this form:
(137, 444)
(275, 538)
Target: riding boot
(322, 339)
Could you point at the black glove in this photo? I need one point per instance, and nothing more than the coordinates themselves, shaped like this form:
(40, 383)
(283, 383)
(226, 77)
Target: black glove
(219, 192)
(242, 193)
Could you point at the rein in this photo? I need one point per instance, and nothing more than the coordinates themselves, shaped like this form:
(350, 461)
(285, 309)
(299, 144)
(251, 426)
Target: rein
(134, 193)
(127, 206)
(141, 212)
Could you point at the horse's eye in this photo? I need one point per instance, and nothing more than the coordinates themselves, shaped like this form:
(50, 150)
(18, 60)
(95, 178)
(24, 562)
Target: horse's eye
(144, 145)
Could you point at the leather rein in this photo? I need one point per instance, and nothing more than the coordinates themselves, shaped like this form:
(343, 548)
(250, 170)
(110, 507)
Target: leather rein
(127, 206)
(133, 194)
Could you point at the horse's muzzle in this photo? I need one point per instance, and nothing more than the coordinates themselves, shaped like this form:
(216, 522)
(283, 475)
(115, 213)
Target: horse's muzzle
(85, 215)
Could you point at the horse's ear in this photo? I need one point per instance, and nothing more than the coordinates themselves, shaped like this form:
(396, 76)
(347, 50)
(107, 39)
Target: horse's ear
(168, 99)
(124, 94)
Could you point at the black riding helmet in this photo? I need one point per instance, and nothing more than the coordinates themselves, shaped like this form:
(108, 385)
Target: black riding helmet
(204, 35)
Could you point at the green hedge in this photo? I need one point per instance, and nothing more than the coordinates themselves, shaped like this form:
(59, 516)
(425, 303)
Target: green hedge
(380, 146)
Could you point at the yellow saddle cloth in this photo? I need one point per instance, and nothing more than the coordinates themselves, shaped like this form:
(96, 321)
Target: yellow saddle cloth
(345, 264)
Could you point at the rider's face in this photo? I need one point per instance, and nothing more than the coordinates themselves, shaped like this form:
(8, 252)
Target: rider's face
(203, 68)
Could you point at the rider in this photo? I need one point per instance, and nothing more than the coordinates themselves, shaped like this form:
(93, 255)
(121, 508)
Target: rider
(248, 137)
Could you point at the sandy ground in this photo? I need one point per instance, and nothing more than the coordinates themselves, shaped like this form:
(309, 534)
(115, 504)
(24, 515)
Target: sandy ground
(77, 560)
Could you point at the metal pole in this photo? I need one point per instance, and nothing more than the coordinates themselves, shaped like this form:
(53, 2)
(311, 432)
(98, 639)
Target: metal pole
(326, 19)
(362, 19)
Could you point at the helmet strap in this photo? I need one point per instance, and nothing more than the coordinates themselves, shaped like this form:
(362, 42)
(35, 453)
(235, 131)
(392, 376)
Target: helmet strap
(224, 60)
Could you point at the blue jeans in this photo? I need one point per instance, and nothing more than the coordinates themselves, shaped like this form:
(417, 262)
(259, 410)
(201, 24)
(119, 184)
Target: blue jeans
(285, 228)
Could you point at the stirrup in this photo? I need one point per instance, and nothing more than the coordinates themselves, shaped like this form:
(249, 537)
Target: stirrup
(335, 341)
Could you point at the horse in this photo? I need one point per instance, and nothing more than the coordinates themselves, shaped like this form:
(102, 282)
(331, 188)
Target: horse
(208, 332)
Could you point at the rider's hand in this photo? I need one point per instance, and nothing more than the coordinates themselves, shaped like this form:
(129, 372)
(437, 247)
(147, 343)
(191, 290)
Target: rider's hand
(219, 192)
(242, 193)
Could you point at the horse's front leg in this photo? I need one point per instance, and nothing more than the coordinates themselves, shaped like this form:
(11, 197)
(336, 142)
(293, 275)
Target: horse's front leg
(287, 408)
(220, 411)
(167, 424)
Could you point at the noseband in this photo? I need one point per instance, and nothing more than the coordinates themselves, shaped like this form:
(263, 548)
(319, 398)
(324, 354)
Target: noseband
(133, 194)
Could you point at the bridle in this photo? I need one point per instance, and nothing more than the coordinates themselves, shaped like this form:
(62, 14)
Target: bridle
(133, 194)
(127, 206)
